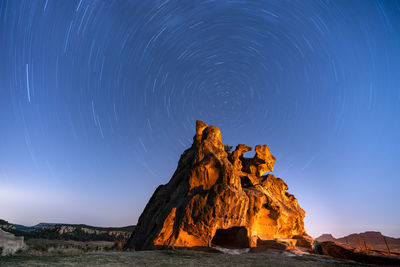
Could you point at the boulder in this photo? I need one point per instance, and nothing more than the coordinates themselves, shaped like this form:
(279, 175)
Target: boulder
(304, 241)
(219, 199)
(10, 243)
(263, 245)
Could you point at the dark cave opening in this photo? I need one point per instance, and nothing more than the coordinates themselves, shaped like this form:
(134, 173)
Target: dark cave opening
(234, 237)
(245, 181)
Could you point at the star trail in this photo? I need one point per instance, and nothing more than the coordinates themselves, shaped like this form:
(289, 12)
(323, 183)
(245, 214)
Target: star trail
(98, 99)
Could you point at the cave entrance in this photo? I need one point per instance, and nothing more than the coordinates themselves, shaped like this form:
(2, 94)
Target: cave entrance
(245, 181)
(234, 237)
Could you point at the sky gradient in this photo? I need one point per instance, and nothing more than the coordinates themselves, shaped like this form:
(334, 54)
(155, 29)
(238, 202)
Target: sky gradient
(98, 99)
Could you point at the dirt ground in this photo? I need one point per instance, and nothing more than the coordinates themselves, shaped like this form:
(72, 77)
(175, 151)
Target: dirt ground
(171, 258)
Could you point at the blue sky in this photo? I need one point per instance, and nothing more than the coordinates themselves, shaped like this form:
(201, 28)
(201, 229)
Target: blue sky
(98, 99)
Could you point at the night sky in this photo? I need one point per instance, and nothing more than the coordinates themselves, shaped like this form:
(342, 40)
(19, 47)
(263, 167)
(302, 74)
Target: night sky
(98, 99)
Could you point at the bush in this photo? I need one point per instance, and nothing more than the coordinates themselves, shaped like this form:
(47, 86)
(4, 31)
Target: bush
(40, 247)
(3, 222)
(228, 148)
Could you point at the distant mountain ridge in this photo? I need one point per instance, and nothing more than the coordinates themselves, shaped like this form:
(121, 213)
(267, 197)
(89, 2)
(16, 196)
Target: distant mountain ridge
(36, 227)
(369, 239)
(78, 232)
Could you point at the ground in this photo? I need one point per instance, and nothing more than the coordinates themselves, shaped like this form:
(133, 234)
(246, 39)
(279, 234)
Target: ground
(170, 258)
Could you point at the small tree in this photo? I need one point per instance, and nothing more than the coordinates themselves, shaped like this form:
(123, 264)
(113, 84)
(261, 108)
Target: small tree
(228, 148)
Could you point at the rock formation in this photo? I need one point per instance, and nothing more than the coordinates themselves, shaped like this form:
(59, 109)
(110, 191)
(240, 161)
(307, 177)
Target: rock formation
(369, 239)
(347, 252)
(218, 198)
(9, 243)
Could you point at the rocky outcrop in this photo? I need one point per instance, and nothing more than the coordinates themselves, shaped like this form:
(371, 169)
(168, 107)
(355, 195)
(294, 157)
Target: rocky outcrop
(218, 198)
(347, 252)
(9, 243)
(78, 232)
(71, 230)
(366, 240)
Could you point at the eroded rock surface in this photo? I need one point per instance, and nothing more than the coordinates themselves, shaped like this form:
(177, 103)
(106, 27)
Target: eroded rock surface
(217, 198)
(9, 243)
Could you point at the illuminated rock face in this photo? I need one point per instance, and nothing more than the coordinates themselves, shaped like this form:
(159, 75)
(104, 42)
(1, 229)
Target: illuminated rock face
(216, 198)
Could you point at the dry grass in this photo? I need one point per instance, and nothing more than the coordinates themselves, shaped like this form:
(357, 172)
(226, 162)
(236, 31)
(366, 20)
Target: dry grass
(40, 246)
(171, 258)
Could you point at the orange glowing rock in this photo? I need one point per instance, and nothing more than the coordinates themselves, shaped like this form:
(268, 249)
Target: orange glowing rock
(217, 198)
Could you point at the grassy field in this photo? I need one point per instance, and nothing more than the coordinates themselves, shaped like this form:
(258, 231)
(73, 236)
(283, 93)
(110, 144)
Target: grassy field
(170, 258)
(67, 246)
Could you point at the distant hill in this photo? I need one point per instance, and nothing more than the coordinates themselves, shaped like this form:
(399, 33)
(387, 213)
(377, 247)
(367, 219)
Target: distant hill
(78, 232)
(326, 237)
(370, 239)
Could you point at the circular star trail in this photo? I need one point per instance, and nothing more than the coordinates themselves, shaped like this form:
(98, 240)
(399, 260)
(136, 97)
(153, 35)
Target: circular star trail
(99, 98)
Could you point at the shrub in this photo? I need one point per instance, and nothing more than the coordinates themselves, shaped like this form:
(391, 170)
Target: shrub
(228, 148)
